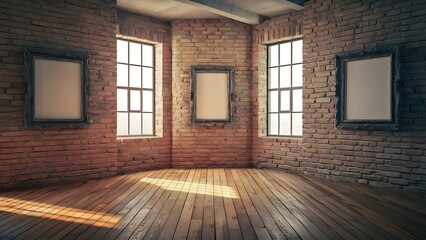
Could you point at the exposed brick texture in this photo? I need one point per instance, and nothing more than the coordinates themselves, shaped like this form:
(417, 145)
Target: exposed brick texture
(150, 153)
(35, 157)
(328, 27)
(211, 42)
(383, 158)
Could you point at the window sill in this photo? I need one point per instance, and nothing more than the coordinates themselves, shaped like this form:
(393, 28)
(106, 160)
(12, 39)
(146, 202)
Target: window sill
(279, 138)
(122, 139)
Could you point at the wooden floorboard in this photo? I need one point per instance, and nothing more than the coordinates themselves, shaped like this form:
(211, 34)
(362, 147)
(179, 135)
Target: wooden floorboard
(212, 204)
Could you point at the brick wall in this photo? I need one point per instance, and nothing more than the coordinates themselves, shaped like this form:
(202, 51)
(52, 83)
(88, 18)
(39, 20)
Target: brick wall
(211, 42)
(384, 158)
(150, 153)
(35, 157)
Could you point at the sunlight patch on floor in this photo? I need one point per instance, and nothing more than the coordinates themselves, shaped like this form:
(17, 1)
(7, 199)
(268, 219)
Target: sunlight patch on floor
(190, 187)
(60, 213)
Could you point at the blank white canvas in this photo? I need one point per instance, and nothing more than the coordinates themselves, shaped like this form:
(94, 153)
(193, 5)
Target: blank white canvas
(57, 91)
(212, 99)
(368, 89)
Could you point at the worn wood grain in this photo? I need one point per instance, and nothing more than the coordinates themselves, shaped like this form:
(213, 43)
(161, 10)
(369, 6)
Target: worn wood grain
(212, 203)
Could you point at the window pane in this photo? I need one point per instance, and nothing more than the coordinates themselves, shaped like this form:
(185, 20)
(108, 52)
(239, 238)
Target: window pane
(285, 124)
(122, 75)
(148, 127)
(135, 76)
(285, 100)
(289, 102)
(297, 100)
(285, 53)
(297, 75)
(135, 123)
(122, 51)
(135, 53)
(121, 99)
(135, 100)
(122, 123)
(273, 78)
(297, 124)
(147, 51)
(273, 56)
(273, 101)
(147, 101)
(273, 124)
(147, 77)
(285, 77)
(298, 51)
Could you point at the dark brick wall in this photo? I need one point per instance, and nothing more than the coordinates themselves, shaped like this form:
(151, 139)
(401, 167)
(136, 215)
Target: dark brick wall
(211, 42)
(150, 153)
(383, 158)
(37, 157)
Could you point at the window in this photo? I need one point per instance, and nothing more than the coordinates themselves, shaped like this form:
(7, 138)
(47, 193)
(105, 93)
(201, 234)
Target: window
(285, 82)
(135, 89)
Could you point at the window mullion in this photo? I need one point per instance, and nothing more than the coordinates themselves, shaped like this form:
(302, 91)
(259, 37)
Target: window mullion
(153, 91)
(268, 56)
(291, 88)
(128, 110)
(128, 91)
(141, 90)
(279, 91)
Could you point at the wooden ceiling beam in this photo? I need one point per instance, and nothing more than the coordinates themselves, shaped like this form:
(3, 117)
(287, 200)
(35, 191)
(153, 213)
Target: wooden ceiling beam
(226, 10)
(293, 4)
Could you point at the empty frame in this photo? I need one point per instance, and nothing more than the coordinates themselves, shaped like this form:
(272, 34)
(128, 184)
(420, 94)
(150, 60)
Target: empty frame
(367, 89)
(57, 88)
(211, 94)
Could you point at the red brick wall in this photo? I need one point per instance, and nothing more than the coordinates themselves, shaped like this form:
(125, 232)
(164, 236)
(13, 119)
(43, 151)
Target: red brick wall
(150, 153)
(35, 157)
(384, 158)
(211, 42)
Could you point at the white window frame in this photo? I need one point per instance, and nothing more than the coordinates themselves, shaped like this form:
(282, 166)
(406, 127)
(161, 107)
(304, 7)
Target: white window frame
(291, 89)
(141, 89)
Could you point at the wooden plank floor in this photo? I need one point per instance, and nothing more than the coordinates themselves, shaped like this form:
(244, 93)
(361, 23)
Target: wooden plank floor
(212, 203)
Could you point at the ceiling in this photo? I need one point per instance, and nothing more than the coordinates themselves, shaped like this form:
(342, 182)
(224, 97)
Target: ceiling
(247, 11)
